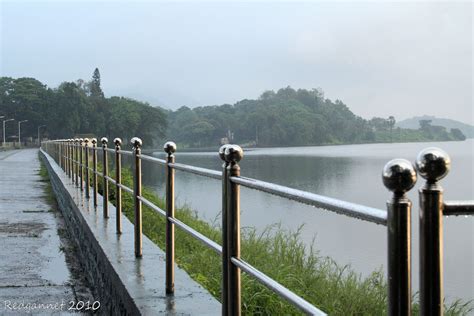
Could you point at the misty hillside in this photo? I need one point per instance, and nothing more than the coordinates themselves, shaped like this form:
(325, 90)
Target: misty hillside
(413, 123)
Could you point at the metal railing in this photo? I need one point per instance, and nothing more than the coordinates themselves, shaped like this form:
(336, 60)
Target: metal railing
(399, 176)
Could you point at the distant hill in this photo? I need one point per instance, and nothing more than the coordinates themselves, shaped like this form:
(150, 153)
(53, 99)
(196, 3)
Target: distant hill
(413, 123)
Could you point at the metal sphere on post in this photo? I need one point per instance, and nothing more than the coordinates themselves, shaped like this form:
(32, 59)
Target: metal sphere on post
(105, 168)
(118, 189)
(432, 164)
(399, 176)
(170, 149)
(137, 192)
(233, 154)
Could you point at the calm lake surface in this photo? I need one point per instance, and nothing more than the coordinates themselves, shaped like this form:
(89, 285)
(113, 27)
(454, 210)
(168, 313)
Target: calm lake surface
(351, 173)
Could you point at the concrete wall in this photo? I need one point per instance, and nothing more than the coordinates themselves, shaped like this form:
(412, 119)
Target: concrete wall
(123, 284)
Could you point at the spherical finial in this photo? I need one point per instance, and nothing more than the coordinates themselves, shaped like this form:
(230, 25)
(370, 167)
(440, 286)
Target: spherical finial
(169, 147)
(222, 151)
(433, 164)
(76, 140)
(86, 140)
(104, 140)
(233, 153)
(94, 141)
(136, 142)
(399, 175)
(118, 141)
(81, 140)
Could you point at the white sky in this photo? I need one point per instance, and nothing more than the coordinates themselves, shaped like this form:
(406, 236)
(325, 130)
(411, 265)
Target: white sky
(381, 59)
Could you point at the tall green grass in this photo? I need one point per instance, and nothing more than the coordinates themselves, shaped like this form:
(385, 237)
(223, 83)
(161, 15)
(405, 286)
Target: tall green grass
(335, 289)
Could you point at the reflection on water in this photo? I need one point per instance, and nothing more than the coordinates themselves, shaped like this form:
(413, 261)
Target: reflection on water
(351, 173)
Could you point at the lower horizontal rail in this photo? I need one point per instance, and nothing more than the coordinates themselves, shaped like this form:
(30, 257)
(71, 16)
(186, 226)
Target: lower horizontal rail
(276, 287)
(152, 206)
(346, 208)
(205, 240)
(458, 208)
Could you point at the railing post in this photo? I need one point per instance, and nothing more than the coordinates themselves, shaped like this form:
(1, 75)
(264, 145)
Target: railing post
(63, 155)
(233, 154)
(58, 145)
(137, 192)
(71, 157)
(118, 181)
(170, 149)
(94, 170)
(81, 163)
(432, 164)
(76, 154)
(399, 176)
(66, 156)
(68, 149)
(105, 169)
(86, 168)
(225, 268)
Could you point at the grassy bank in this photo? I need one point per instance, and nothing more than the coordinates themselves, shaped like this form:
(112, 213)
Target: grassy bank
(336, 289)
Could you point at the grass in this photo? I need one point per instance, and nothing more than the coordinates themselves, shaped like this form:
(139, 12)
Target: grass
(335, 289)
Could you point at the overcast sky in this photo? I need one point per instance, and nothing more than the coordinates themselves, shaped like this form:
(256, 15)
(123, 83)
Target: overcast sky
(381, 59)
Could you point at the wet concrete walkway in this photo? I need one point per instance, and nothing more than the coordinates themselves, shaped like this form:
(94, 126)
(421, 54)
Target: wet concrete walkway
(37, 264)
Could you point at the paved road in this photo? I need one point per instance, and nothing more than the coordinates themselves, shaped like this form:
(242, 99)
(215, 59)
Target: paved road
(37, 264)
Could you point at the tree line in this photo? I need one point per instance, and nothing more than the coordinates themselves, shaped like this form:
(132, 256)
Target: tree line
(290, 117)
(77, 108)
(287, 117)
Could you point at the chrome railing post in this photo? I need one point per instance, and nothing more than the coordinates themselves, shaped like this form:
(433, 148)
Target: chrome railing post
(60, 158)
(233, 154)
(399, 176)
(86, 168)
(66, 156)
(118, 189)
(137, 192)
(94, 170)
(105, 172)
(76, 154)
(81, 163)
(70, 158)
(63, 155)
(432, 164)
(170, 149)
(225, 268)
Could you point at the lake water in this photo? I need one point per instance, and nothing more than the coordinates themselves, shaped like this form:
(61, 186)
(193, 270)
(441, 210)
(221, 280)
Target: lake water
(351, 173)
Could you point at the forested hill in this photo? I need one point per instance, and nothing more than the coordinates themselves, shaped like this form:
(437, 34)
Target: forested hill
(287, 117)
(414, 123)
(76, 108)
(290, 117)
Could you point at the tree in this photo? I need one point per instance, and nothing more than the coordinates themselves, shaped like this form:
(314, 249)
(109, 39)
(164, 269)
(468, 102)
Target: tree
(391, 124)
(95, 89)
(457, 134)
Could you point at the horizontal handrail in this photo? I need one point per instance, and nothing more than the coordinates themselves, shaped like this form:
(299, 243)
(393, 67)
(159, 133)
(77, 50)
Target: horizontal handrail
(346, 208)
(152, 159)
(125, 152)
(197, 170)
(277, 288)
(458, 208)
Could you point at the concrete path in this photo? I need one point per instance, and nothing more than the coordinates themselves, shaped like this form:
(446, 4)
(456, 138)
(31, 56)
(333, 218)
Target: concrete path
(37, 265)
